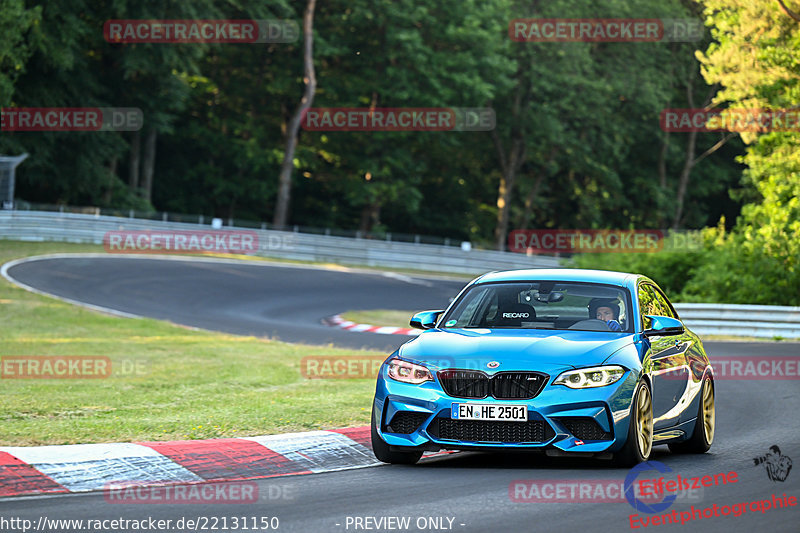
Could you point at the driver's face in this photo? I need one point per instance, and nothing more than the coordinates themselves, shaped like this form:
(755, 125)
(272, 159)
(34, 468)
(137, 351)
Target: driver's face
(605, 313)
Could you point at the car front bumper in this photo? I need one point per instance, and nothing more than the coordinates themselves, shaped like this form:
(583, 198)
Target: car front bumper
(560, 419)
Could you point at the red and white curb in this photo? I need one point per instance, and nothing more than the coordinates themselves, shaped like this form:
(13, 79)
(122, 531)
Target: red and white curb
(92, 467)
(339, 322)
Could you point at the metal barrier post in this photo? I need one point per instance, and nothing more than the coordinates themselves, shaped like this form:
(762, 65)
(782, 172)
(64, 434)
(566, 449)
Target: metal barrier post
(8, 166)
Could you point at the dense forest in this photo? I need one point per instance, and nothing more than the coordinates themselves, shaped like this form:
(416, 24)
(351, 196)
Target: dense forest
(578, 141)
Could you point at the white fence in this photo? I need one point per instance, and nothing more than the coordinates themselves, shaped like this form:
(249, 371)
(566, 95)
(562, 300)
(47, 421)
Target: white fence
(705, 319)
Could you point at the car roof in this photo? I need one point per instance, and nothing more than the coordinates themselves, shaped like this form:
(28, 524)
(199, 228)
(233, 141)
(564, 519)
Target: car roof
(622, 279)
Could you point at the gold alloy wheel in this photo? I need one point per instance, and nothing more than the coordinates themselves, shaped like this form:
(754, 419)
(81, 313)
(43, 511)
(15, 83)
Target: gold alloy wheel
(644, 422)
(709, 415)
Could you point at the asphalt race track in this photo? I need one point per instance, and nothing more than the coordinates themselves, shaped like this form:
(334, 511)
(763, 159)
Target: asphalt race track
(462, 492)
(245, 297)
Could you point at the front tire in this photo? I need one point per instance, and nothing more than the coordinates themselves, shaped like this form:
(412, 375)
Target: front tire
(639, 443)
(705, 425)
(384, 454)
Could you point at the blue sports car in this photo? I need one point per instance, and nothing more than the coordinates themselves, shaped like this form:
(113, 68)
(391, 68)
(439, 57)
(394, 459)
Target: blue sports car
(561, 361)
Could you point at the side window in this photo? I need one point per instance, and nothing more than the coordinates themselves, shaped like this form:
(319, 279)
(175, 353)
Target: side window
(490, 309)
(468, 315)
(648, 305)
(664, 304)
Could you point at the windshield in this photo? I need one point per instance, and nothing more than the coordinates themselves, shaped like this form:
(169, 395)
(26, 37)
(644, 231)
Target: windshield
(542, 305)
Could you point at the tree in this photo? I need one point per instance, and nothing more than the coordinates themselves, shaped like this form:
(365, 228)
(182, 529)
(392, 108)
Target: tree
(395, 54)
(756, 60)
(577, 123)
(285, 177)
(64, 70)
(15, 22)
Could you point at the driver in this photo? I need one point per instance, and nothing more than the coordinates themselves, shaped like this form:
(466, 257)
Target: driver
(606, 310)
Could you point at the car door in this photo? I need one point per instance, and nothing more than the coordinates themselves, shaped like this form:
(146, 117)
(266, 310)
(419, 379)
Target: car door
(689, 352)
(667, 355)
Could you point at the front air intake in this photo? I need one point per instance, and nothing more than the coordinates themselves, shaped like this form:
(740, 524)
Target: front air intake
(475, 384)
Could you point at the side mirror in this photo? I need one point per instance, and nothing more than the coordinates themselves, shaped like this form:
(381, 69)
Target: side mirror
(425, 319)
(662, 326)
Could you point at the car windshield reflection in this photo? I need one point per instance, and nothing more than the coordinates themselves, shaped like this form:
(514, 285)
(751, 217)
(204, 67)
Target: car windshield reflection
(547, 305)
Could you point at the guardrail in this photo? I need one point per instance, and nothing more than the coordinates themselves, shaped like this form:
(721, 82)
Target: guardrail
(87, 228)
(705, 319)
(747, 320)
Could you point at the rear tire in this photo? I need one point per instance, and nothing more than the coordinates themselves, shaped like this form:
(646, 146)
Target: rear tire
(384, 454)
(705, 425)
(640, 429)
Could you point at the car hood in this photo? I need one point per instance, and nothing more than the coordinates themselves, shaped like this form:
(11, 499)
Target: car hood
(544, 350)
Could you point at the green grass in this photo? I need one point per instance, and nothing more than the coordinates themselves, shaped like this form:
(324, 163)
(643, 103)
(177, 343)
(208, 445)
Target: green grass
(380, 317)
(191, 384)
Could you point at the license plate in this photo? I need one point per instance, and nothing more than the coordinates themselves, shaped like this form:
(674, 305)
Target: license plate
(492, 412)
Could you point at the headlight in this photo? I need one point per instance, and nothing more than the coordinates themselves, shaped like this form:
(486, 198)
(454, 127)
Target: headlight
(409, 372)
(585, 378)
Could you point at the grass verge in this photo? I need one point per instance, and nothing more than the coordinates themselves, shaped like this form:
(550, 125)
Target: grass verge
(168, 381)
(381, 317)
